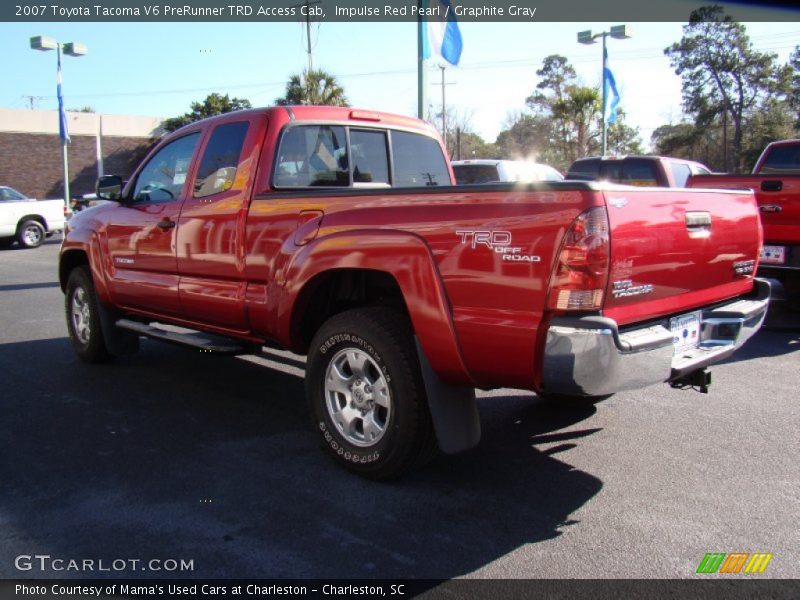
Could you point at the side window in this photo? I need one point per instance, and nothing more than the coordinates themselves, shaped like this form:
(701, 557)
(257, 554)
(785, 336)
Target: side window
(312, 156)
(640, 173)
(221, 157)
(163, 177)
(680, 173)
(370, 157)
(418, 161)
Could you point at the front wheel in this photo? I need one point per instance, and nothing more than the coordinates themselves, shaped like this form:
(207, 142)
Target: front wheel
(366, 394)
(83, 317)
(30, 234)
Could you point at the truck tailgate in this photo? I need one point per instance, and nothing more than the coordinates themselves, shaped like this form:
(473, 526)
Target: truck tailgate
(674, 250)
(778, 198)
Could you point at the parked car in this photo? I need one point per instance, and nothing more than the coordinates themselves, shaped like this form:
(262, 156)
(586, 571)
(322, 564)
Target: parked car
(643, 171)
(337, 233)
(28, 221)
(776, 183)
(489, 171)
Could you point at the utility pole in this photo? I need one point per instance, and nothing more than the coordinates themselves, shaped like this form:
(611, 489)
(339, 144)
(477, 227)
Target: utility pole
(725, 134)
(444, 111)
(32, 100)
(307, 14)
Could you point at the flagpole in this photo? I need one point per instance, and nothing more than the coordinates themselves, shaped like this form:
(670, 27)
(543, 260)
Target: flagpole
(422, 78)
(605, 99)
(61, 114)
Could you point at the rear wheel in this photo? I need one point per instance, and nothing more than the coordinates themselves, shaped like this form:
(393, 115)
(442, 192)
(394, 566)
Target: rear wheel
(30, 234)
(83, 317)
(366, 394)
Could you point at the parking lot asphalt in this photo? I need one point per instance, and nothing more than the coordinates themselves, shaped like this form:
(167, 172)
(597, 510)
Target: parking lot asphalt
(175, 454)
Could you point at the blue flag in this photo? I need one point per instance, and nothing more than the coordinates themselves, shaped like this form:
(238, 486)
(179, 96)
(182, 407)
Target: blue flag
(442, 37)
(612, 95)
(63, 132)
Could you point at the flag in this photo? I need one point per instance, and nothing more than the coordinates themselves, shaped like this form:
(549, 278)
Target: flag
(441, 36)
(612, 95)
(63, 132)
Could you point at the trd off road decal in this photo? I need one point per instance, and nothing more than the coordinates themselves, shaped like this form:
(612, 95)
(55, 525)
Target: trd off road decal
(498, 242)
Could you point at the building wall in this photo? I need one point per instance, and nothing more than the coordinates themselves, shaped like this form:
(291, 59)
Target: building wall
(31, 156)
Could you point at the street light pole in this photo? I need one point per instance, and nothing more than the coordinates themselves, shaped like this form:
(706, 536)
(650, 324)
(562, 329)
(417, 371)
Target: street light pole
(620, 32)
(70, 49)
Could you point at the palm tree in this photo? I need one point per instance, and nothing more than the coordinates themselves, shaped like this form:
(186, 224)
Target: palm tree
(313, 87)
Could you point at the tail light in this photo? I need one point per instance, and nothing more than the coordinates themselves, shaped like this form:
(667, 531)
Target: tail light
(581, 274)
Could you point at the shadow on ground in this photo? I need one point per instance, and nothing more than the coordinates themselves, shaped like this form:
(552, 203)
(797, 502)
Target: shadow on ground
(177, 454)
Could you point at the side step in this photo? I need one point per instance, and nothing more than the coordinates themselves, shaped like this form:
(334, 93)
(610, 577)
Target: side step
(207, 342)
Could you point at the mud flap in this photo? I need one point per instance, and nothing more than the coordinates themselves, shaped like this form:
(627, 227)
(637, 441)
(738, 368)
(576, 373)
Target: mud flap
(454, 410)
(118, 342)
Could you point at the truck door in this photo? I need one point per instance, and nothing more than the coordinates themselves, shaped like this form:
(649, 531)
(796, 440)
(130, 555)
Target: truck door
(210, 247)
(141, 233)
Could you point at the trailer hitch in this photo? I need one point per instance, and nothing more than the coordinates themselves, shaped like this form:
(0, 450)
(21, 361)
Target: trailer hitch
(697, 380)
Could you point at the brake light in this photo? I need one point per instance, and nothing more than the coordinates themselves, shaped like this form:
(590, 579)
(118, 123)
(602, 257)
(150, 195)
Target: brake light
(581, 274)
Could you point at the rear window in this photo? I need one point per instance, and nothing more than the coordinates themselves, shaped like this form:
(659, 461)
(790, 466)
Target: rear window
(467, 174)
(631, 171)
(585, 170)
(782, 159)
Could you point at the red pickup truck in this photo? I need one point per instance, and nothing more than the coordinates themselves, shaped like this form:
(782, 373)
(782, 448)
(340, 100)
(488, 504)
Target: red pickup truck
(776, 183)
(339, 234)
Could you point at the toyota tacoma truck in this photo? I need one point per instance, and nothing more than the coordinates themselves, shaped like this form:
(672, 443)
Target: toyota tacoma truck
(339, 234)
(776, 183)
(27, 221)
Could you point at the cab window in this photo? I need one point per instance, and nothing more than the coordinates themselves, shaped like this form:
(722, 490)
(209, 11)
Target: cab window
(163, 177)
(370, 157)
(312, 155)
(418, 161)
(217, 169)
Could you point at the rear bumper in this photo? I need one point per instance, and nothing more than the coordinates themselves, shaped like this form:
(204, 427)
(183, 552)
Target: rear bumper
(590, 356)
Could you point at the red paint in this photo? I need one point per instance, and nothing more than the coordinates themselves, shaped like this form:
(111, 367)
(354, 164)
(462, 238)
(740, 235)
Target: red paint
(473, 264)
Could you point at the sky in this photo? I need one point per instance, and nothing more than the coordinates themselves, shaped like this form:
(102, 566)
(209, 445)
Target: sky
(158, 69)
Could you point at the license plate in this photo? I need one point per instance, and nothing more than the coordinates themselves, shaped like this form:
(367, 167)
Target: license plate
(773, 255)
(685, 331)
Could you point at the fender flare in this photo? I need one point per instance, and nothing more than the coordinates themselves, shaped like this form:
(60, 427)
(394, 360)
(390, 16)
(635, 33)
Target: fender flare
(404, 256)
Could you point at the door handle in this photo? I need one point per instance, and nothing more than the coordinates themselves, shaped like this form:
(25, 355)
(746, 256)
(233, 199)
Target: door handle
(772, 185)
(166, 224)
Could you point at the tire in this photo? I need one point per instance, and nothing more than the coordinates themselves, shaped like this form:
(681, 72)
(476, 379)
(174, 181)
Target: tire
(83, 317)
(568, 402)
(30, 234)
(366, 394)
(6, 242)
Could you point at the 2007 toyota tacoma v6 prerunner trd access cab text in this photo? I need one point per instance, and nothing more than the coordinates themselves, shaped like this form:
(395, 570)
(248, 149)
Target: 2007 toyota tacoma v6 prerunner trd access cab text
(338, 234)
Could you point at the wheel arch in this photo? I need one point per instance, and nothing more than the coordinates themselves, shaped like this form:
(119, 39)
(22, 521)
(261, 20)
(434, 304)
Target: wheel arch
(402, 272)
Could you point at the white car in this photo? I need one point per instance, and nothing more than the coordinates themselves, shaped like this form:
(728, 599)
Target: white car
(488, 171)
(26, 220)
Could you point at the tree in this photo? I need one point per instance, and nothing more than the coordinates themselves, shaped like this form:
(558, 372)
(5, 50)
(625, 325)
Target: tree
(462, 141)
(524, 137)
(214, 104)
(722, 75)
(568, 117)
(315, 87)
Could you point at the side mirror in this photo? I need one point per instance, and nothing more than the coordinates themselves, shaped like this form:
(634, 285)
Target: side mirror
(109, 187)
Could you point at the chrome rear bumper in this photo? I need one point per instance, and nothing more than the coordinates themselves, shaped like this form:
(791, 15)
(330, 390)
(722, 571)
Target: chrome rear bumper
(589, 356)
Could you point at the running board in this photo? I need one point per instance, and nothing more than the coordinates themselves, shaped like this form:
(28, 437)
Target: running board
(205, 342)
